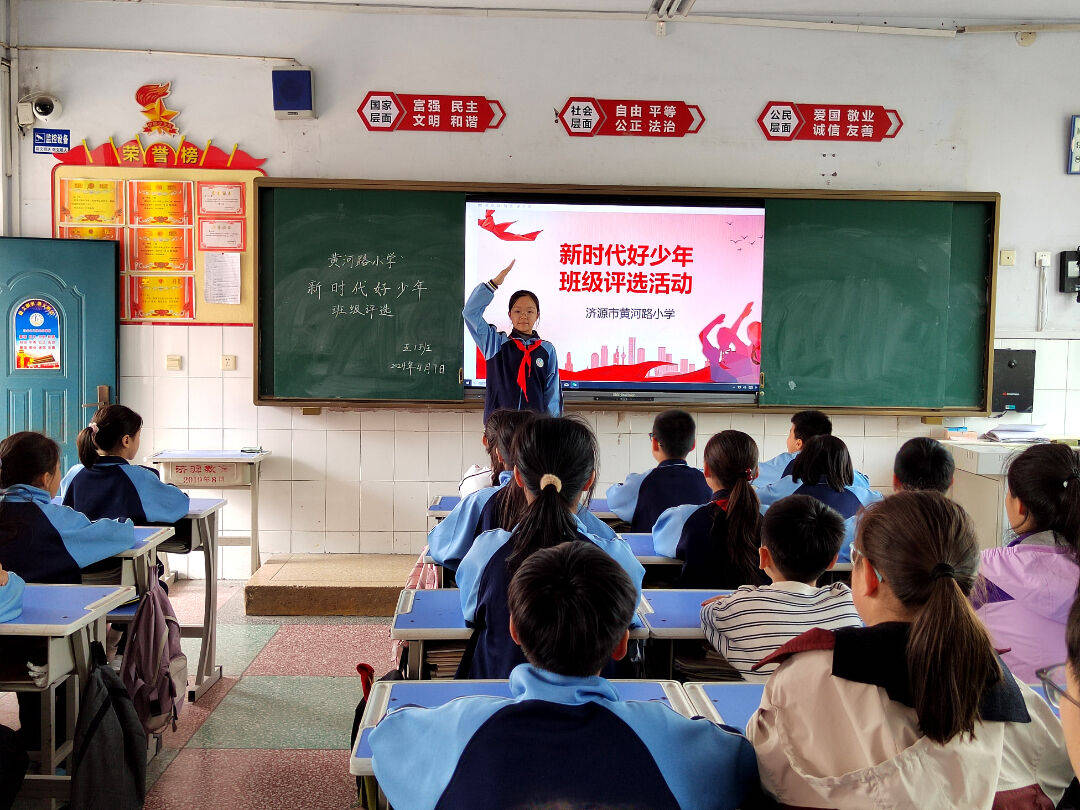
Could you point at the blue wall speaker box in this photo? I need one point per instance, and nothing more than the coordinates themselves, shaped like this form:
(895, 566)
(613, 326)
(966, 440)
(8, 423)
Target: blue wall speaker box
(294, 92)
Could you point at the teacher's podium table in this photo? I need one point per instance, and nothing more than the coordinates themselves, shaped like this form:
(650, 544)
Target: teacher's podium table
(217, 469)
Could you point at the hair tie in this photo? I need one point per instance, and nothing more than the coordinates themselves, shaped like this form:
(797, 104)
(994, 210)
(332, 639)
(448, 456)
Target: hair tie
(942, 570)
(547, 479)
(750, 474)
(93, 428)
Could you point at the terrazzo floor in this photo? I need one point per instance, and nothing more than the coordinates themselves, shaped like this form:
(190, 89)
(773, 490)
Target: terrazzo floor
(274, 732)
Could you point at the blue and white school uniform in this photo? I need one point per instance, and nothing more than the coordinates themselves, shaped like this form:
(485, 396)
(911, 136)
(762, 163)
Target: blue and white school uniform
(643, 497)
(47, 543)
(771, 471)
(450, 540)
(483, 580)
(847, 502)
(522, 370)
(489, 518)
(685, 533)
(559, 741)
(113, 488)
(11, 597)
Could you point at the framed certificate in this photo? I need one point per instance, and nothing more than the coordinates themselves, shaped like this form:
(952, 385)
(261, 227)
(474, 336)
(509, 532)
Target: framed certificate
(222, 234)
(221, 199)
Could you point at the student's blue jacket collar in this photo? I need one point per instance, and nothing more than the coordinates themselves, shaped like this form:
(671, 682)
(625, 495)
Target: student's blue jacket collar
(532, 683)
(106, 460)
(673, 462)
(24, 493)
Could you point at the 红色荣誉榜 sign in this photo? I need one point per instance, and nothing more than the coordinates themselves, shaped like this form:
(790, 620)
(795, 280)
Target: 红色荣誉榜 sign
(37, 335)
(51, 141)
(383, 111)
(788, 121)
(585, 117)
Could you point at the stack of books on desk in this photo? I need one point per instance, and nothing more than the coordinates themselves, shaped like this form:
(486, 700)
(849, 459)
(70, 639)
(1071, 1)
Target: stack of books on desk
(443, 658)
(704, 664)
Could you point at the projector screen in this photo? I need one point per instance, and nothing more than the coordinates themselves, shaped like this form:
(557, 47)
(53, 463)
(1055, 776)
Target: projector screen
(634, 298)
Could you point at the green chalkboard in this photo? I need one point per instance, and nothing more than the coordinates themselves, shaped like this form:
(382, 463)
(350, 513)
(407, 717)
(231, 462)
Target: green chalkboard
(876, 303)
(360, 294)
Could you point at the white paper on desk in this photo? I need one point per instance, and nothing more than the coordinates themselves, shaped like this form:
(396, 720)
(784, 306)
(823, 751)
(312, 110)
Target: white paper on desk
(221, 277)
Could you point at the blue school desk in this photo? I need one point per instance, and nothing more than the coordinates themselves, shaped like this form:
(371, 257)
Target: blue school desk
(435, 615)
(729, 703)
(444, 505)
(640, 544)
(55, 630)
(674, 614)
(388, 695)
(239, 470)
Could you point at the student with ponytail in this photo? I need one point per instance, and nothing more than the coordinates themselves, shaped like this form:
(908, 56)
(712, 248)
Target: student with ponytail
(1031, 583)
(915, 709)
(555, 463)
(718, 542)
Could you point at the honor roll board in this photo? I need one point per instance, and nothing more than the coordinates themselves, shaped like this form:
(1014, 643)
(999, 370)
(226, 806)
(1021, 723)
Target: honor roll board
(652, 296)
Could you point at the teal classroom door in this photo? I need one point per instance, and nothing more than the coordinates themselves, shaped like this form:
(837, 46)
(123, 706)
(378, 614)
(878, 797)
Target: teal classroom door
(58, 299)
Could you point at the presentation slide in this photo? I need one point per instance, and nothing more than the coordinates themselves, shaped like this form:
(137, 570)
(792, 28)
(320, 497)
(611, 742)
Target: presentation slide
(633, 297)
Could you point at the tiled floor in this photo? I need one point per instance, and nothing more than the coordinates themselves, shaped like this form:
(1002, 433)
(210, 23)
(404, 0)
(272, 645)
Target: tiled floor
(274, 732)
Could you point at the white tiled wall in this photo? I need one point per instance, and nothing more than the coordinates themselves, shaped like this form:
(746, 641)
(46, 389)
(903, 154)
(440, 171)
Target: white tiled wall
(359, 481)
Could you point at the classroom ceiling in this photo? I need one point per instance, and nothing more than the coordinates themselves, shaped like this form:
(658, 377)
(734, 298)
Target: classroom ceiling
(922, 13)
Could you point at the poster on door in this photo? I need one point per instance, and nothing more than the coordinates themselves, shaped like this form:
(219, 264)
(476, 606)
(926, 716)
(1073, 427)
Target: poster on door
(37, 336)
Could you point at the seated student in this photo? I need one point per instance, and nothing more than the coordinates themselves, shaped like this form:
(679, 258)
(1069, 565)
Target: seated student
(477, 477)
(555, 460)
(11, 595)
(672, 482)
(923, 463)
(823, 471)
(451, 538)
(915, 710)
(564, 739)
(800, 538)
(718, 542)
(1031, 582)
(805, 425)
(106, 485)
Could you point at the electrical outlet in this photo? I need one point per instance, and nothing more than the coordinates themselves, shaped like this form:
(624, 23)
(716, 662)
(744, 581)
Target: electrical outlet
(1007, 258)
(174, 362)
(228, 362)
(1042, 258)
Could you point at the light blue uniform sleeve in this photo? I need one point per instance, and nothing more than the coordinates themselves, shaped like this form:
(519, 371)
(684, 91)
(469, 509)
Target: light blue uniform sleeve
(89, 541)
(771, 471)
(667, 531)
(622, 498)
(472, 568)
(552, 386)
(11, 598)
(866, 497)
(450, 540)
(620, 551)
(487, 337)
(594, 525)
(162, 503)
(774, 492)
(861, 480)
(65, 482)
(705, 765)
(415, 751)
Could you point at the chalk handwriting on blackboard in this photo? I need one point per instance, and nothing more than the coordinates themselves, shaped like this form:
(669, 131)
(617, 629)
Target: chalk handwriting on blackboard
(354, 260)
(411, 367)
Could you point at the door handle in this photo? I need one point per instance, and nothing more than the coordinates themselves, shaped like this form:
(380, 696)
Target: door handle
(102, 395)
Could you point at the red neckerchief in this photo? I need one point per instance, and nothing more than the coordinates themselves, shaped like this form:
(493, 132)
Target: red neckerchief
(526, 363)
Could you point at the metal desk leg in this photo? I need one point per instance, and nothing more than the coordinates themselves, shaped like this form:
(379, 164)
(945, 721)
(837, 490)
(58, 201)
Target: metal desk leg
(208, 672)
(416, 659)
(255, 558)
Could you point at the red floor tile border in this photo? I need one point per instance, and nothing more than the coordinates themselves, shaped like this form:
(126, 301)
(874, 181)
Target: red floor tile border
(324, 650)
(255, 779)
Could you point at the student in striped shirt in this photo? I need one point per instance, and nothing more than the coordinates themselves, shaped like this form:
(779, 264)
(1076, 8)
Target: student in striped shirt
(800, 538)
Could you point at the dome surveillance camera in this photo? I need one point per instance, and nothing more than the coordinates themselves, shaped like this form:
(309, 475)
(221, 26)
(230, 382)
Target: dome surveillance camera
(47, 108)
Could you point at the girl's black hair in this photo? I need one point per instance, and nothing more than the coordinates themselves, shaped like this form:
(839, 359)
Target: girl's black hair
(563, 447)
(732, 458)
(824, 457)
(112, 423)
(499, 432)
(1046, 479)
(522, 294)
(510, 499)
(25, 457)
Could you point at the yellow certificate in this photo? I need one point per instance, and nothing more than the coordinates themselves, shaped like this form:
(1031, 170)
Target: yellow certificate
(159, 202)
(96, 201)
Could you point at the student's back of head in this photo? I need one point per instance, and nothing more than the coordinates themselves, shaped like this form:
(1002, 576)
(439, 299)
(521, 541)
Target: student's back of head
(27, 457)
(1045, 479)
(824, 459)
(674, 431)
(106, 432)
(731, 458)
(923, 551)
(803, 537)
(555, 460)
(805, 425)
(503, 425)
(570, 607)
(923, 463)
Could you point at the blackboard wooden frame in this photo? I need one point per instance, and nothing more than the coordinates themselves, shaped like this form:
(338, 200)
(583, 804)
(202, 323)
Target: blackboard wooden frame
(993, 198)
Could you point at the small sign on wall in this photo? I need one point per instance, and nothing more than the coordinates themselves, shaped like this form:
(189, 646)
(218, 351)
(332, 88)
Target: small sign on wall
(51, 141)
(788, 121)
(1073, 166)
(383, 111)
(632, 117)
(204, 475)
(37, 335)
